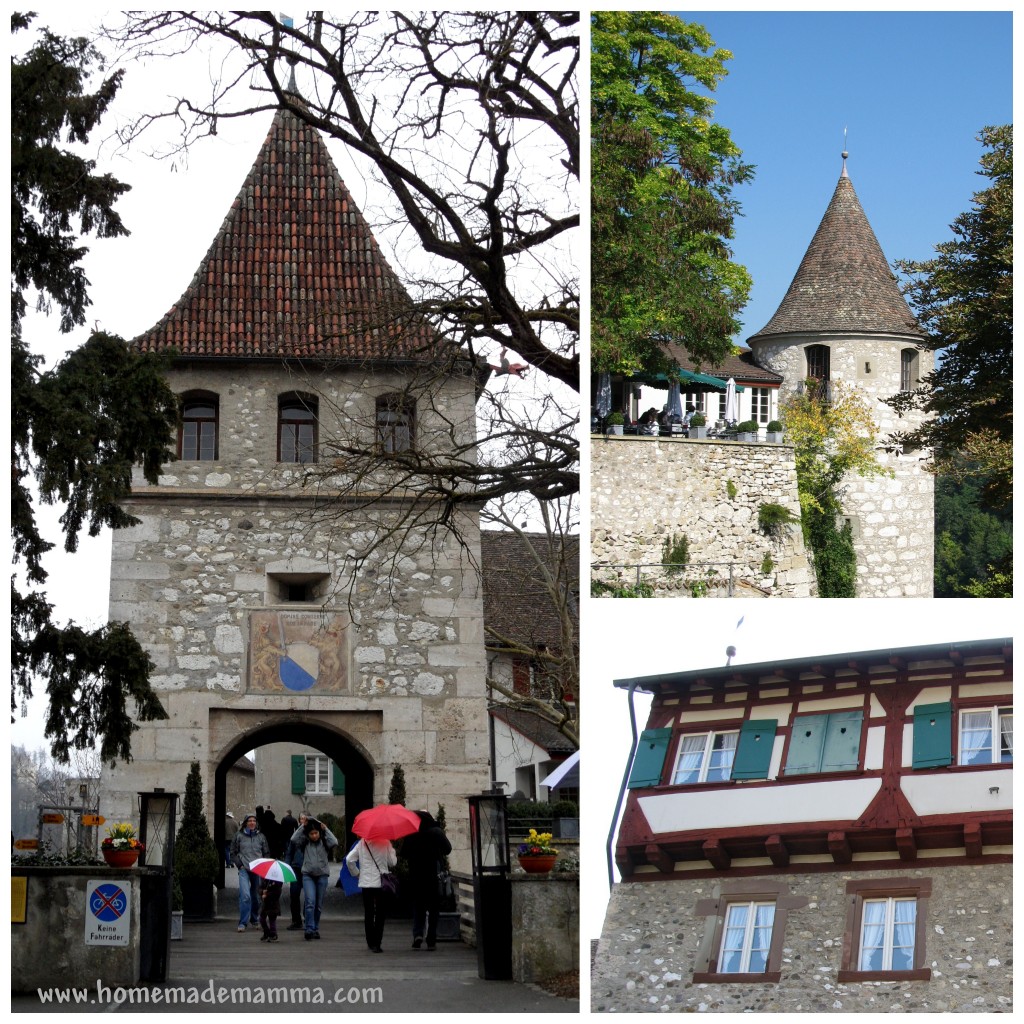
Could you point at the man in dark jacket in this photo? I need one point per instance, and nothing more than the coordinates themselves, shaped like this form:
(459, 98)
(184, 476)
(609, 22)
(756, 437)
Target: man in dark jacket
(424, 851)
(248, 845)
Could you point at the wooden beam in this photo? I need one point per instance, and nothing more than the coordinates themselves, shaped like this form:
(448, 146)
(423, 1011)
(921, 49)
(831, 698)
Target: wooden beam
(839, 847)
(776, 849)
(972, 839)
(906, 843)
(717, 854)
(659, 858)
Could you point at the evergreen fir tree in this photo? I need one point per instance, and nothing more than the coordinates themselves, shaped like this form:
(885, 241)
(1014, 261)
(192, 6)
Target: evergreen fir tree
(195, 856)
(396, 793)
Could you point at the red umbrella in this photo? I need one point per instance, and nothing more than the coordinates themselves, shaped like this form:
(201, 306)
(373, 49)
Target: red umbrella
(388, 821)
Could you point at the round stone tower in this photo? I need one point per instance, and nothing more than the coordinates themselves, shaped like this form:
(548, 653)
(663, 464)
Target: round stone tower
(844, 319)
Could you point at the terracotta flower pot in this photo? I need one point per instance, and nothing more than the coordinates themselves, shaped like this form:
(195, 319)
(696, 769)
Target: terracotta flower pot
(538, 864)
(120, 858)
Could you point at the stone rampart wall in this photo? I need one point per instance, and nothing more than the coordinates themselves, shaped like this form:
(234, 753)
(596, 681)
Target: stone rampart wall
(646, 954)
(644, 489)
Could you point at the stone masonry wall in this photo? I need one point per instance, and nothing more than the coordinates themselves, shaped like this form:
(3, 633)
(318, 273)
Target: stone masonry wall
(645, 957)
(644, 489)
(893, 517)
(191, 574)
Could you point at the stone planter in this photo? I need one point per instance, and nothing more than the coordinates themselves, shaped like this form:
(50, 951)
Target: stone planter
(750, 438)
(120, 858)
(774, 437)
(615, 428)
(567, 828)
(176, 916)
(538, 864)
(698, 433)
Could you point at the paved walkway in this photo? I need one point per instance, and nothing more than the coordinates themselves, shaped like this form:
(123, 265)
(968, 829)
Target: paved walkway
(223, 970)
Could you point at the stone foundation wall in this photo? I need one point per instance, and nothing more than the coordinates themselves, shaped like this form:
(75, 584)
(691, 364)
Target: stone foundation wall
(545, 926)
(646, 954)
(644, 489)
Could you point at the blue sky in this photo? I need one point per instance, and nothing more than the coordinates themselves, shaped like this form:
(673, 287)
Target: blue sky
(914, 89)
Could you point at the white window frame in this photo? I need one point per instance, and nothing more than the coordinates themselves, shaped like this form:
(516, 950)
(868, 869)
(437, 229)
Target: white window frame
(996, 714)
(321, 775)
(705, 760)
(761, 405)
(746, 950)
(888, 932)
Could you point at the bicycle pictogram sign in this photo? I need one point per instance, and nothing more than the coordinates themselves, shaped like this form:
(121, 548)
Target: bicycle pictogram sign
(108, 902)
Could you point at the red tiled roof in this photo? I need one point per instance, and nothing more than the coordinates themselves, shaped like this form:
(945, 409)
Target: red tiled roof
(294, 271)
(844, 282)
(740, 366)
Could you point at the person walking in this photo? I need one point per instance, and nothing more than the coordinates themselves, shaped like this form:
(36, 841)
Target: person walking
(367, 861)
(270, 908)
(293, 855)
(316, 841)
(248, 845)
(230, 831)
(424, 851)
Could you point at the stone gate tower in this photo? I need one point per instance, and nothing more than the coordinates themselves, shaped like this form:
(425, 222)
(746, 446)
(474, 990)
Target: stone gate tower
(844, 319)
(296, 352)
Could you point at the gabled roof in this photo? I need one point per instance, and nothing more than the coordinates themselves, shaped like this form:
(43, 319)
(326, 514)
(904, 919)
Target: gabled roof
(517, 602)
(844, 283)
(535, 729)
(740, 366)
(294, 271)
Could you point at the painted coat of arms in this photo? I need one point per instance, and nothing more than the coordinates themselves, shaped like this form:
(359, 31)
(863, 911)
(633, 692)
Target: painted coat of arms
(296, 652)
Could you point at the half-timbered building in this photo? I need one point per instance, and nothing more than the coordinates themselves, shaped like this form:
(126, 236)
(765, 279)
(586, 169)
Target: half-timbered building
(828, 833)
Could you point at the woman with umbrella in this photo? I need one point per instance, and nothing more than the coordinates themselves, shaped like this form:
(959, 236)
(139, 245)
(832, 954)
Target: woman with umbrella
(315, 840)
(373, 857)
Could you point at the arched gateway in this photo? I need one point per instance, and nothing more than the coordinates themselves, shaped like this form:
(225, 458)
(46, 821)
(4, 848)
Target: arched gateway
(294, 351)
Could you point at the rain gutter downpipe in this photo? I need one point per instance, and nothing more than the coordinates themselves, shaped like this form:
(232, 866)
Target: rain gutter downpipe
(633, 685)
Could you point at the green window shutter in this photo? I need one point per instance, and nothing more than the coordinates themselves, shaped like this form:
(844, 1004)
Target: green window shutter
(842, 741)
(337, 780)
(650, 758)
(933, 731)
(806, 740)
(754, 750)
(298, 773)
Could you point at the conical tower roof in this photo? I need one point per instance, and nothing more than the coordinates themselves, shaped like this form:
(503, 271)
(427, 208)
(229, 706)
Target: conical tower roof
(844, 283)
(294, 271)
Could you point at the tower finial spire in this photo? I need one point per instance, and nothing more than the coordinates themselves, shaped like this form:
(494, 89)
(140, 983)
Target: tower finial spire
(845, 153)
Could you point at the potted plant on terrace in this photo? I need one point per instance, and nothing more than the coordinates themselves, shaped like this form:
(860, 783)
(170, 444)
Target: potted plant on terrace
(615, 423)
(747, 431)
(774, 434)
(537, 856)
(698, 425)
(121, 847)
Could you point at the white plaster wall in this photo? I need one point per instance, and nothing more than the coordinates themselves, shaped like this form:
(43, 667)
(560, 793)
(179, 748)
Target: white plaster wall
(954, 792)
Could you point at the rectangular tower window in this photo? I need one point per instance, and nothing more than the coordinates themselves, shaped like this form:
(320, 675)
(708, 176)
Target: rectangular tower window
(746, 938)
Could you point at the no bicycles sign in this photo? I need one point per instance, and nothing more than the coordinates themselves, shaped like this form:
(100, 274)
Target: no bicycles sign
(107, 914)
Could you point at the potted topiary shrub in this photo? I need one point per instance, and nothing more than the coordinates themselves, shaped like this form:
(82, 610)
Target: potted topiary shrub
(747, 431)
(774, 434)
(195, 857)
(698, 426)
(616, 423)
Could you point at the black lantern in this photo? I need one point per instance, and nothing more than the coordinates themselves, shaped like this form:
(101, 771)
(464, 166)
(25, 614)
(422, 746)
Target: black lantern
(492, 890)
(156, 831)
(488, 828)
(156, 828)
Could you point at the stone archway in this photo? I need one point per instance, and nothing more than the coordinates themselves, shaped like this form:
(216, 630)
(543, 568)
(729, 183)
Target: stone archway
(291, 728)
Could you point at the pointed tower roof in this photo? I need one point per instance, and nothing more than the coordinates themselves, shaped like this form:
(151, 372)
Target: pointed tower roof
(844, 283)
(294, 271)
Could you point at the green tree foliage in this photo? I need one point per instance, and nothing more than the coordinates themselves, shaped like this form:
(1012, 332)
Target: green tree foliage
(396, 791)
(964, 298)
(76, 430)
(831, 435)
(195, 855)
(661, 206)
(973, 547)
